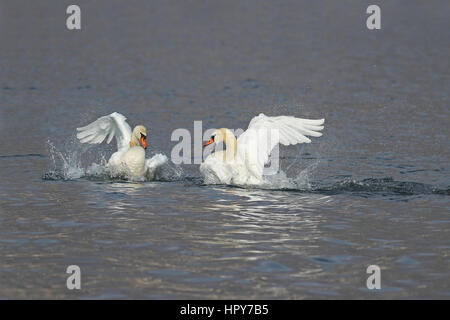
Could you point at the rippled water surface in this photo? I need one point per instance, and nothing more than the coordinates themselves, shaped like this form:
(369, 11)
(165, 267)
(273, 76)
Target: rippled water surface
(374, 189)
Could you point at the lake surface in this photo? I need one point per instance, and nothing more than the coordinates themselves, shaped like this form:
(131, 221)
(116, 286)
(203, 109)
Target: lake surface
(373, 190)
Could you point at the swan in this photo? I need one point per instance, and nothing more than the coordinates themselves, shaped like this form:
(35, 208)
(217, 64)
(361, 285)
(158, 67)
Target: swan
(130, 155)
(243, 160)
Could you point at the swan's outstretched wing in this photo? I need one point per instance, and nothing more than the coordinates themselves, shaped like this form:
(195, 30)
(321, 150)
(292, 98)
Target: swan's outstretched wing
(113, 125)
(264, 133)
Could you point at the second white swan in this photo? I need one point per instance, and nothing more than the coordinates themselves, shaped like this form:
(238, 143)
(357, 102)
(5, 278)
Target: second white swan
(243, 161)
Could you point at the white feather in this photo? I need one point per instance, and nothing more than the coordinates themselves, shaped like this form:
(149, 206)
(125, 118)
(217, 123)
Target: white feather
(110, 126)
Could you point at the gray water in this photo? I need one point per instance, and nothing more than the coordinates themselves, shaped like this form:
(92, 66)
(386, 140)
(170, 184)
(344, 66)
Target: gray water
(373, 190)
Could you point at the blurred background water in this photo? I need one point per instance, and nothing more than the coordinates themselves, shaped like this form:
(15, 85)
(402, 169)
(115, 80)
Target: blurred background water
(373, 190)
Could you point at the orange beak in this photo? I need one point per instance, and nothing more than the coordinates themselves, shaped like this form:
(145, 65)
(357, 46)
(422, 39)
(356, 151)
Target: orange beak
(208, 143)
(144, 142)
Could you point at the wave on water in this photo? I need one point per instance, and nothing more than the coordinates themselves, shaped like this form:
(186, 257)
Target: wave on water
(71, 165)
(380, 186)
(361, 187)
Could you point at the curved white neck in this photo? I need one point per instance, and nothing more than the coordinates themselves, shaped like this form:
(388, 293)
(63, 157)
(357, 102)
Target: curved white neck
(134, 142)
(231, 143)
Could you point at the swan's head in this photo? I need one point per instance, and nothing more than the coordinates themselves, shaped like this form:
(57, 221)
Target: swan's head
(140, 133)
(218, 136)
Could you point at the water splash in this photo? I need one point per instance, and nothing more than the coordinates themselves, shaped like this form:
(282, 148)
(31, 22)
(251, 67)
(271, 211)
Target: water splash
(360, 187)
(69, 164)
(278, 181)
(65, 165)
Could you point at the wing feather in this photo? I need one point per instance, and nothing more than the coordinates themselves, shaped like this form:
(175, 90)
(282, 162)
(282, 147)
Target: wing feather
(264, 133)
(107, 127)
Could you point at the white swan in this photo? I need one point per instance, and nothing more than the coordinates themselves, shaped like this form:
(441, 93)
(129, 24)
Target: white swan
(243, 161)
(130, 155)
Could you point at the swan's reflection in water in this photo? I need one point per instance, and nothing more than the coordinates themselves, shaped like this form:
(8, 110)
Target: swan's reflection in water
(214, 232)
(238, 216)
(263, 223)
(278, 208)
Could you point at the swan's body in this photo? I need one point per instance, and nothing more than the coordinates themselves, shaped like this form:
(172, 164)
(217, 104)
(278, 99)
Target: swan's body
(130, 155)
(133, 160)
(243, 161)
